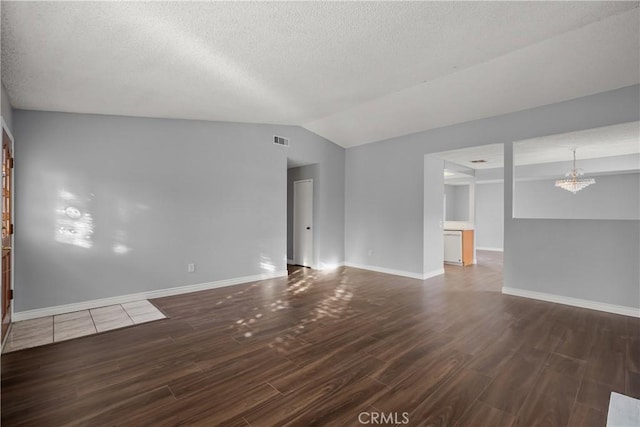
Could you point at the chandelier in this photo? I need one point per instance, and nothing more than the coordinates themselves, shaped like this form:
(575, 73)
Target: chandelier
(573, 182)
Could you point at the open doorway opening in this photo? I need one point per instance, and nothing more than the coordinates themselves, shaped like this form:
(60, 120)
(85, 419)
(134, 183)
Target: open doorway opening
(473, 208)
(303, 222)
(301, 208)
(459, 215)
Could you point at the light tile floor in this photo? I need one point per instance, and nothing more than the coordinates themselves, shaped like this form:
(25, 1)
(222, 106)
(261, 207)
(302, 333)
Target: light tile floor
(45, 330)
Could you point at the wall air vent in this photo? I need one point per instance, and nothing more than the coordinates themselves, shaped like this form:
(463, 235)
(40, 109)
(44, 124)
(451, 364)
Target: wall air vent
(279, 140)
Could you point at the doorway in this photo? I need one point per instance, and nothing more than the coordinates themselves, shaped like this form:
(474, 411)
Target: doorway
(303, 222)
(7, 230)
(474, 208)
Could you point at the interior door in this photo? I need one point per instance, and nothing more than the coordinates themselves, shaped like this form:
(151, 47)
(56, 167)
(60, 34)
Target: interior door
(303, 222)
(7, 231)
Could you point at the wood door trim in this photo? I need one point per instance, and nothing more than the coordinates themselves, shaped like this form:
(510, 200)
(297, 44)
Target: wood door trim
(6, 203)
(467, 247)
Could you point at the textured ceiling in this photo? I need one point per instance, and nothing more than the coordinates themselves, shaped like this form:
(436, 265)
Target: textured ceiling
(607, 141)
(353, 72)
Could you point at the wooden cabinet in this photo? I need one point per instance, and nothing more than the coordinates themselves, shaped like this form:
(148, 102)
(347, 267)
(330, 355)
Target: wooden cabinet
(467, 247)
(458, 247)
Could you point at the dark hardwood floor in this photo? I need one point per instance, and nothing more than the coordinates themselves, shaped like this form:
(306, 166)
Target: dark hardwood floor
(319, 348)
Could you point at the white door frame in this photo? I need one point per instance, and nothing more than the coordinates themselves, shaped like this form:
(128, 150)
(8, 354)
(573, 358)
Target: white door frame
(296, 256)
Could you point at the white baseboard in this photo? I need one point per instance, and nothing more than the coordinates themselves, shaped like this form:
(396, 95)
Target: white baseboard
(321, 266)
(490, 249)
(576, 302)
(327, 267)
(85, 305)
(396, 272)
(433, 273)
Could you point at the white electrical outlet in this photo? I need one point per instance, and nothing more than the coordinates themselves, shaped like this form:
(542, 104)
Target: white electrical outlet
(191, 268)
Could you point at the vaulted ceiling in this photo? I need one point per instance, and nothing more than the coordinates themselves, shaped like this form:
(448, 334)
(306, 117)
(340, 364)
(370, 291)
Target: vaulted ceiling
(353, 72)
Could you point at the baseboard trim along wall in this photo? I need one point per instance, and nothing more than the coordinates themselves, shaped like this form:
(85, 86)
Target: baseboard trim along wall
(85, 305)
(433, 273)
(329, 267)
(490, 249)
(576, 302)
(402, 273)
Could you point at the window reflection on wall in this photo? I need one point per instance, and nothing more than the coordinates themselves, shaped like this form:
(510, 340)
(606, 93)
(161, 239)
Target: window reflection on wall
(74, 223)
(610, 156)
(119, 246)
(266, 264)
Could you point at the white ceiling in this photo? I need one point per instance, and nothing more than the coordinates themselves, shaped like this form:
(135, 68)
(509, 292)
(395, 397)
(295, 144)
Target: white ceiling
(353, 72)
(607, 141)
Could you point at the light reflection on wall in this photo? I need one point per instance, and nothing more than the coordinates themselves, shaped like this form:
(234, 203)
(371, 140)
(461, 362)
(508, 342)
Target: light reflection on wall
(74, 223)
(329, 266)
(119, 246)
(121, 249)
(266, 264)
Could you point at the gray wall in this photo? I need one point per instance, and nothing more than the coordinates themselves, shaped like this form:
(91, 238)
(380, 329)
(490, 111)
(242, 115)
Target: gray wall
(384, 206)
(433, 249)
(611, 197)
(161, 194)
(457, 202)
(594, 260)
(7, 110)
(385, 198)
(296, 174)
(489, 224)
(462, 203)
(450, 202)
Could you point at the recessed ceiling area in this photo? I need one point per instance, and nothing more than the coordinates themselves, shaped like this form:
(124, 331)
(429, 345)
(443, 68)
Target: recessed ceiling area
(352, 72)
(293, 163)
(608, 141)
(452, 177)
